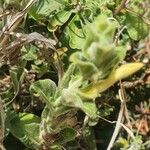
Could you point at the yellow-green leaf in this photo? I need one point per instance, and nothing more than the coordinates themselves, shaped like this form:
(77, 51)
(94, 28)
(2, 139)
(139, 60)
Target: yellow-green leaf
(122, 72)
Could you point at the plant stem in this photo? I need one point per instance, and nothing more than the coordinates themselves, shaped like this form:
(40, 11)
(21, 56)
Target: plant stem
(120, 7)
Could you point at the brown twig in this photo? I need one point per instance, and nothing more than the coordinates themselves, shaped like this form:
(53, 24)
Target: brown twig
(119, 120)
(138, 15)
(13, 22)
(120, 7)
(123, 114)
(2, 118)
(128, 84)
(118, 34)
(4, 14)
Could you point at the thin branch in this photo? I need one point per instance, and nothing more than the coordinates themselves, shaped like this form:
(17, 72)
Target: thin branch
(119, 120)
(138, 15)
(118, 34)
(4, 14)
(125, 127)
(2, 125)
(123, 112)
(14, 22)
(120, 7)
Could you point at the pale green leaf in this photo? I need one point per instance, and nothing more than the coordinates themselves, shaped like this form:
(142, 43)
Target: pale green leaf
(90, 109)
(43, 8)
(136, 26)
(66, 135)
(70, 98)
(25, 127)
(75, 32)
(45, 89)
(89, 138)
(93, 90)
(58, 20)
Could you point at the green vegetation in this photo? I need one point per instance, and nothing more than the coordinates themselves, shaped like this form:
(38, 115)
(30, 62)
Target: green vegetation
(74, 74)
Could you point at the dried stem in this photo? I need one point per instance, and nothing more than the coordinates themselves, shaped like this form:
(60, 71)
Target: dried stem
(2, 118)
(120, 7)
(14, 22)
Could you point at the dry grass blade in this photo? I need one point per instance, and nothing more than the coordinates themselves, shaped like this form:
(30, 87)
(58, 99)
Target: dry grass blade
(2, 118)
(12, 23)
(47, 45)
(11, 52)
(4, 14)
(117, 128)
(23, 39)
(122, 112)
(120, 7)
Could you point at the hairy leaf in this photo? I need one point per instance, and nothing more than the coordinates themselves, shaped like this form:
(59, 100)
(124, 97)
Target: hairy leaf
(45, 89)
(93, 90)
(25, 127)
(136, 26)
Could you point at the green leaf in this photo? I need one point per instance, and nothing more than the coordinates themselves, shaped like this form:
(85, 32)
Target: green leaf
(121, 143)
(45, 89)
(40, 69)
(100, 31)
(88, 69)
(89, 138)
(14, 79)
(100, 55)
(75, 32)
(136, 26)
(29, 53)
(70, 98)
(44, 8)
(93, 90)
(90, 109)
(67, 77)
(17, 77)
(25, 127)
(99, 47)
(66, 135)
(58, 20)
